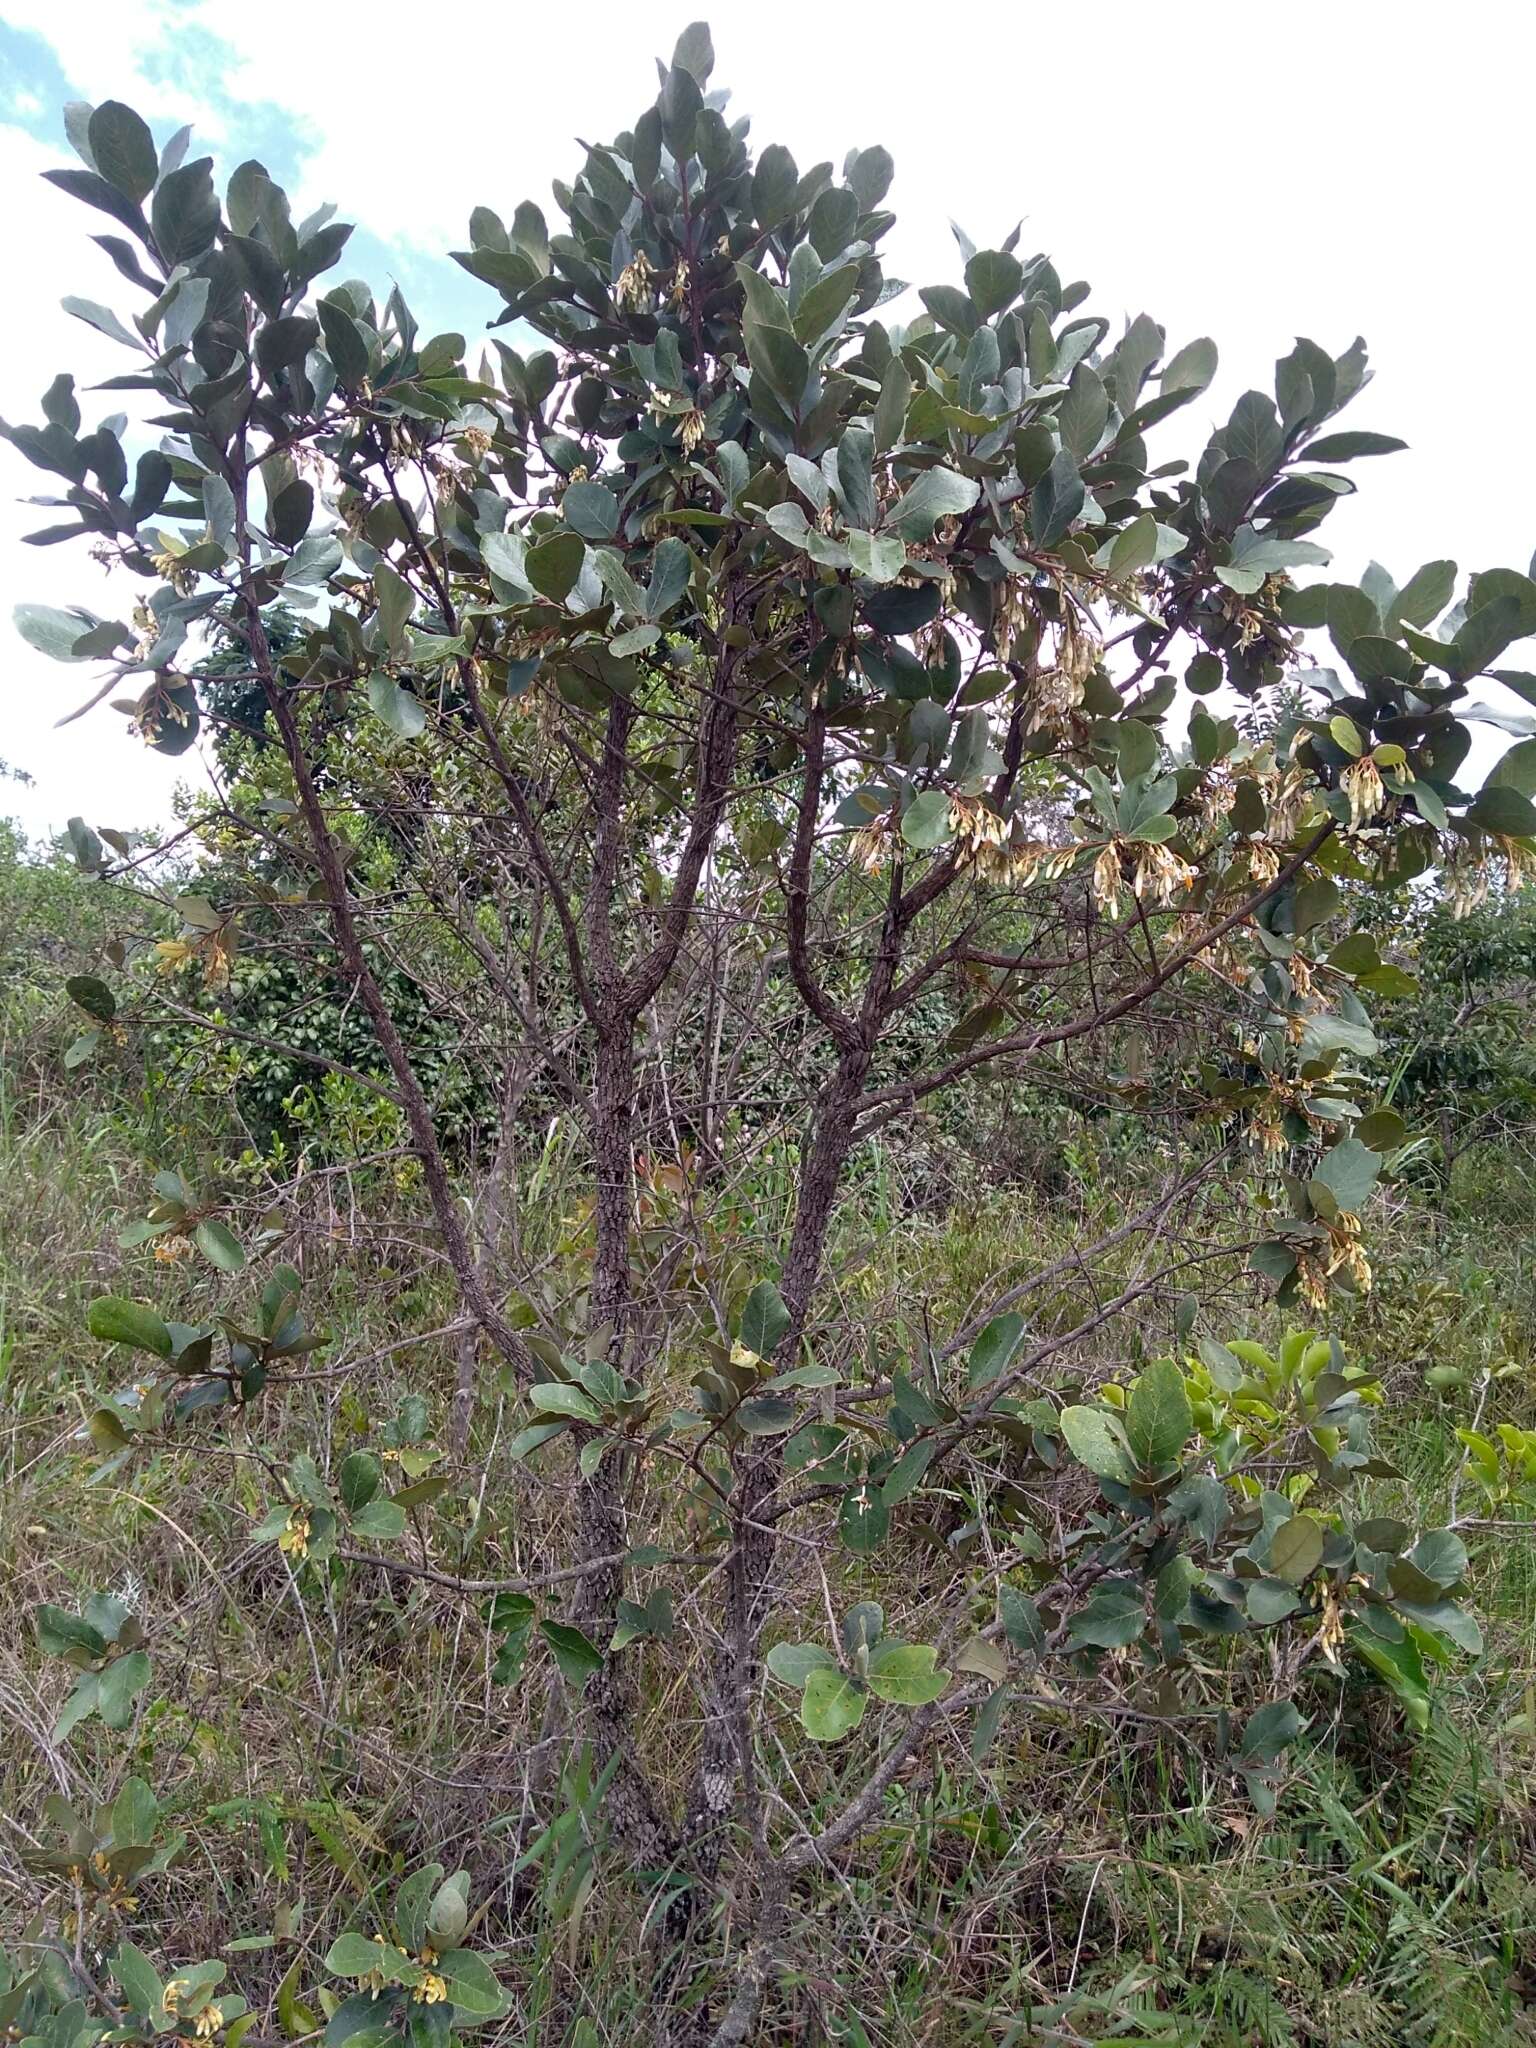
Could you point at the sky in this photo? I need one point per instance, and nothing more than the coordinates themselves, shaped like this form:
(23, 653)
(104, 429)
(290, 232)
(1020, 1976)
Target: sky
(1234, 169)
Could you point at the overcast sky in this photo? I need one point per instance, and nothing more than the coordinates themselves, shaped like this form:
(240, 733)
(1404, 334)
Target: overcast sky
(1246, 171)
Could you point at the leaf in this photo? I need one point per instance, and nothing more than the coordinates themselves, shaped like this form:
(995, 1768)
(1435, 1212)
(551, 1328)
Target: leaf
(92, 996)
(1056, 500)
(119, 1685)
(793, 1663)
(832, 1706)
(1498, 808)
(1020, 1618)
(1092, 1439)
(926, 821)
(554, 1397)
(115, 1321)
(1114, 1617)
(865, 1520)
(671, 573)
(1083, 413)
(937, 494)
(1345, 447)
(1158, 1418)
(123, 150)
(1441, 1556)
(59, 1632)
(1296, 1549)
(553, 565)
(1348, 1171)
(471, 1985)
(380, 1520)
(764, 1320)
(903, 1674)
(591, 510)
(134, 1814)
(185, 213)
(396, 603)
(352, 1955)
(575, 1653)
(403, 713)
(141, 1982)
(880, 558)
(1192, 367)
(994, 1349)
(767, 1415)
(53, 632)
(219, 1246)
(1269, 1731)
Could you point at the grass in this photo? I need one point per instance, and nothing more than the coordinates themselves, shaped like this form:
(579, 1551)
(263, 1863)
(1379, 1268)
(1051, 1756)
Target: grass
(1070, 1887)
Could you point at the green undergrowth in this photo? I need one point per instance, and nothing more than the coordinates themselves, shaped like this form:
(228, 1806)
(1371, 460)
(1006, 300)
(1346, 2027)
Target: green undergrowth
(1076, 1884)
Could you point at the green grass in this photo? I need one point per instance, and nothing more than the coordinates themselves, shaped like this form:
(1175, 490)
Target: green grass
(1072, 1887)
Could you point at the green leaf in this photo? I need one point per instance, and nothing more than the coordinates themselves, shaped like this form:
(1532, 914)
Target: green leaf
(1113, 1618)
(671, 574)
(124, 150)
(926, 822)
(1348, 1171)
(92, 996)
(1055, 501)
(185, 213)
(1020, 1618)
(396, 603)
(119, 1685)
(115, 1321)
(1158, 1418)
(591, 510)
(140, 1980)
(471, 1985)
(1192, 367)
(352, 1955)
(793, 1663)
(767, 1415)
(832, 1706)
(865, 1520)
(53, 632)
(1498, 808)
(554, 1397)
(904, 1674)
(404, 714)
(59, 1632)
(380, 1521)
(553, 565)
(993, 278)
(575, 1653)
(359, 1479)
(1296, 1549)
(1083, 414)
(1269, 1731)
(764, 1320)
(1441, 1556)
(219, 1246)
(1345, 447)
(995, 1349)
(1094, 1441)
(1401, 1668)
(937, 494)
(881, 558)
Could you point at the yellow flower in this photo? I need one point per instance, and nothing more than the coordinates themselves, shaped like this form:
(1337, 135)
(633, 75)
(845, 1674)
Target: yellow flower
(1105, 880)
(633, 289)
(1365, 790)
(691, 431)
(294, 1540)
(432, 1990)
